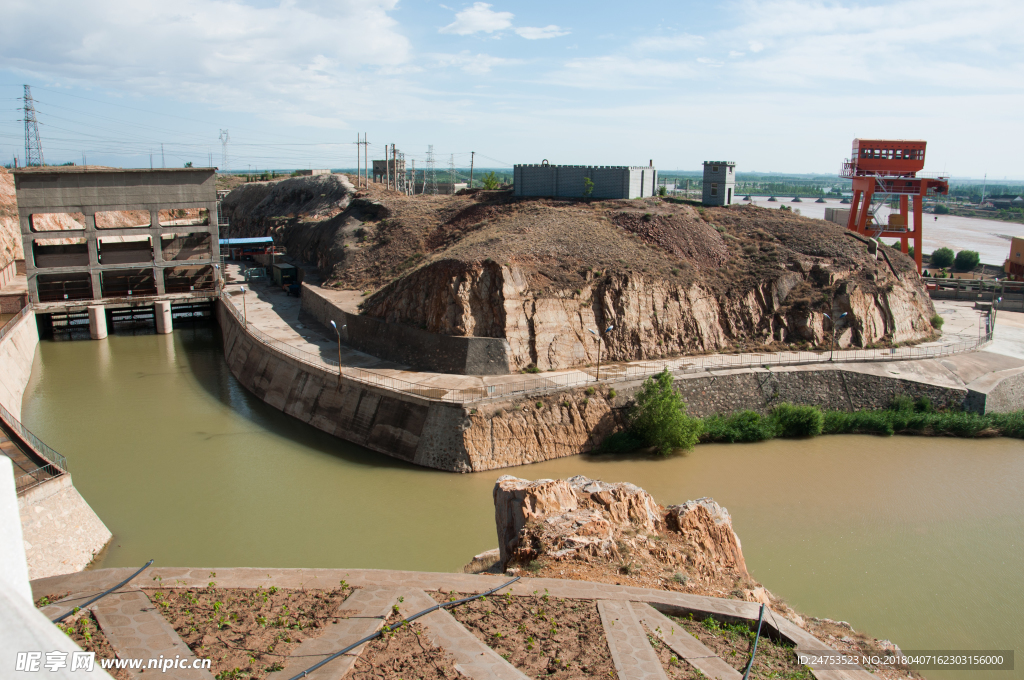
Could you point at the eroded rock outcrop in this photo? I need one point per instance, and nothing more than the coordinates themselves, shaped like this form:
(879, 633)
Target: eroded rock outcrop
(582, 519)
(653, 317)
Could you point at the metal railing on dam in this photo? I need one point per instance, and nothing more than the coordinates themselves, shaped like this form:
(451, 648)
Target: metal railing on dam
(612, 373)
(54, 464)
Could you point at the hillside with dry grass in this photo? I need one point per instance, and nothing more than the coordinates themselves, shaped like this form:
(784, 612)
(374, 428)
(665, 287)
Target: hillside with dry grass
(671, 277)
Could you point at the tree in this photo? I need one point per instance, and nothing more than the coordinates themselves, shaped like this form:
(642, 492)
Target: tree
(662, 190)
(588, 187)
(966, 260)
(491, 181)
(941, 209)
(941, 258)
(659, 416)
(189, 164)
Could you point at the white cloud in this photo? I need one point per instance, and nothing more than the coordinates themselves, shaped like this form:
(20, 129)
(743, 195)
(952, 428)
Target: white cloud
(708, 62)
(474, 64)
(736, 55)
(478, 18)
(670, 43)
(541, 33)
(755, 46)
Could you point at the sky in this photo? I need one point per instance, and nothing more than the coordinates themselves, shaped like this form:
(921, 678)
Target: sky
(774, 85)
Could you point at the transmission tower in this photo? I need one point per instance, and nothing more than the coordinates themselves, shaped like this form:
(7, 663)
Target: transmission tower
(451, 174)
(33, 144)
(431, 180)
(224, 138)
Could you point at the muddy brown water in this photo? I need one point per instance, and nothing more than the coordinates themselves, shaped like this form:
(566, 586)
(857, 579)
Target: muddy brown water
(919, 540)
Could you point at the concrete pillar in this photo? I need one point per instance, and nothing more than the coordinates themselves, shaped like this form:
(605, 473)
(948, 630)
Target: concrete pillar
(97, 322)
(162, 312)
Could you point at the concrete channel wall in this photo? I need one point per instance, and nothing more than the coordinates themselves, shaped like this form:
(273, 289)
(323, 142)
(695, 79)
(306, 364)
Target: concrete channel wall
(400, 425)
(17, 350)
(419, 349)
(61, 532)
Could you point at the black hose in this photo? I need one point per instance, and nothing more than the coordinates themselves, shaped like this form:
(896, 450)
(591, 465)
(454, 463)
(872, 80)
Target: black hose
(387, 629)
(103, 594)
(750, 664)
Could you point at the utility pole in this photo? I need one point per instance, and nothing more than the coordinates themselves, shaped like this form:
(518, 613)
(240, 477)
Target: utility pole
(387, 169)
(984, 183)
(472, 157)
(413, 176)
(33, 143)
(451, 173)
(358, 160)
(366, 160)
(163, 163)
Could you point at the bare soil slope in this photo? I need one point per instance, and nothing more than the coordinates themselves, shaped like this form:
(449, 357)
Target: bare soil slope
(10, 230)
(670, 277)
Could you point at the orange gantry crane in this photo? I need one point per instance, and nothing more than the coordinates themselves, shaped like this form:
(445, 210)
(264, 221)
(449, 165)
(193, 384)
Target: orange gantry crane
(879, 169)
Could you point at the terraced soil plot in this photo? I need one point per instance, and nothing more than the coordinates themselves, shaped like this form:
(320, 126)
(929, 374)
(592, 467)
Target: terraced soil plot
(732, 643)
(247, 632)
(542, 636)
(85, 631)
(403, 653)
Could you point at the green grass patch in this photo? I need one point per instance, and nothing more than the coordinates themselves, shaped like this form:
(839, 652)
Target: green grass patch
(663, 423)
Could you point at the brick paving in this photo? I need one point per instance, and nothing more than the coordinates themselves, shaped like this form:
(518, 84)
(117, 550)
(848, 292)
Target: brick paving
(137, 630)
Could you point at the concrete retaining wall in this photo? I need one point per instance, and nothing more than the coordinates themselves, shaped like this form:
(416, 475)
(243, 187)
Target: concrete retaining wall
(402, 426)
(518, 432)
(422, 350)
(62, 534)
(17, 350)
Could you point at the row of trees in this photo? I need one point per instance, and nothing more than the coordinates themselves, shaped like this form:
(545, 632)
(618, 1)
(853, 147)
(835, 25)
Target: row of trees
(964, 261)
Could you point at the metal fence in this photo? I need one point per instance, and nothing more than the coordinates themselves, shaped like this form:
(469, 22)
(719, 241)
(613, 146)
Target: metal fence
(55, 464)
(616, 372)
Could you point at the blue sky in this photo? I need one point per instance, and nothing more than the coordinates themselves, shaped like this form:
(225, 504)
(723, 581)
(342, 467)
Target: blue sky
(778, 85)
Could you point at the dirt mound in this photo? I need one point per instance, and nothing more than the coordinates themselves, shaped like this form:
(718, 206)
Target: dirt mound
(671, 277)
(684, 235)
(252, 209)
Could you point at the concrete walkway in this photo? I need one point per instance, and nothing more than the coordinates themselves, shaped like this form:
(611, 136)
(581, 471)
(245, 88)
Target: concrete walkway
(136, 629)
(270, 310)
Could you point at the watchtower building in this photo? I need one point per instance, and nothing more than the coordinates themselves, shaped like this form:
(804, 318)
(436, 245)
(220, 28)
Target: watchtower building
(719, 182)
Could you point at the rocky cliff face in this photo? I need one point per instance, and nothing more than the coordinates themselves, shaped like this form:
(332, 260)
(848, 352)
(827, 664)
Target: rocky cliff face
(653, 317)
(10, 230)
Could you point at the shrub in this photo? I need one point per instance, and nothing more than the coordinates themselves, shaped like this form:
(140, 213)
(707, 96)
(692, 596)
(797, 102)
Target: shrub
(539, 404)
(590, 390)
(941, 210)
(659, 416)
(966, 260)
(937, 321)
(531, 369)
(798, 421)
(491, 181)
(924, 405)
(588, 187)
(622, 442)
(662, 191)
(942, 258)
(901, 402)
(612, 394)
(742, 426)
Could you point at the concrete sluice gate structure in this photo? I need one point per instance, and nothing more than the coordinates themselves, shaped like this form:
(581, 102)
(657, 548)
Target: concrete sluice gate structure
(103, 238)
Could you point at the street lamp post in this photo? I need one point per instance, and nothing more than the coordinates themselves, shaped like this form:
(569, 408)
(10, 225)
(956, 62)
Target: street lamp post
(835, 323)
(599, 339)
(337, 331)
(245, 318)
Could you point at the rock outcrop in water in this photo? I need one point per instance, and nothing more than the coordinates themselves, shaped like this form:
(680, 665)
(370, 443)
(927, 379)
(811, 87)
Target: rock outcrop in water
(586, 520)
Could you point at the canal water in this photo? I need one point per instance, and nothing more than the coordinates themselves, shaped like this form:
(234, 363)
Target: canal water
(918, 540)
